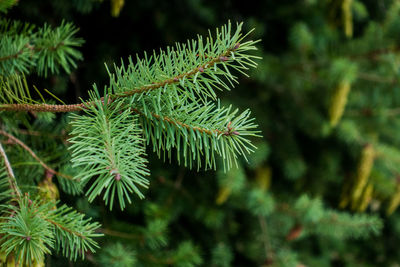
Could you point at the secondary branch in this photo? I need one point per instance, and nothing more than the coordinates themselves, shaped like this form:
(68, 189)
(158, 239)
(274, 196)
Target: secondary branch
(11, 177)
(24, 146)
(179, 123)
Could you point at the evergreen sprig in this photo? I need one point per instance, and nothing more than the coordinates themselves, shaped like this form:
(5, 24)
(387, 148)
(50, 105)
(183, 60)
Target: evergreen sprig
(170, 91)
(196, 68)
(23, 49)
(56, 48)
(199, 132)
(32, 228)
(25, 232)
(73, 232)
(108, 145)
(170, 94)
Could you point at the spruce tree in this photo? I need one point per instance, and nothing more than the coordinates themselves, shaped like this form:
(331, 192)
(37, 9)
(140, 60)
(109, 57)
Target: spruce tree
(313, 185)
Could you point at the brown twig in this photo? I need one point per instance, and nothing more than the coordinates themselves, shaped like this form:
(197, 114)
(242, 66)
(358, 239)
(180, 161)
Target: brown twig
(174, 122)
(41, 134)
(42, 107)
(11, 56)
(65, 229)
(24, 146)
(30, 48)
(11, 177)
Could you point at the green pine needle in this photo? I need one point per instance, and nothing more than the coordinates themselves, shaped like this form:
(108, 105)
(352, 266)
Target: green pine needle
(108, 147)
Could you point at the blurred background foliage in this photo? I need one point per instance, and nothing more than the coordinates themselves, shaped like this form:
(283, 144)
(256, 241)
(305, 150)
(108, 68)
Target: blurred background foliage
(327, 98)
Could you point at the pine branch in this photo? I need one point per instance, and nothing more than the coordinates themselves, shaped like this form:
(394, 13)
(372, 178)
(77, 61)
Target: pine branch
(195, 69)
(13, 56)
(198, 132)
(55, 48)
(25, 147)
(108, 146)
(191, 70)
(15, 95)
(73, 234)
(42, 134)
(374, 55)
(175, 80)
(15, 27)
(31, 228)
(24, 232)
(184, 125)
(22, 50)
(169, 92)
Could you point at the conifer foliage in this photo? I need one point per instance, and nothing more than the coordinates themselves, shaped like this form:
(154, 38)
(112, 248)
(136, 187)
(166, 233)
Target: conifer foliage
(156, 153)
(166, 99)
